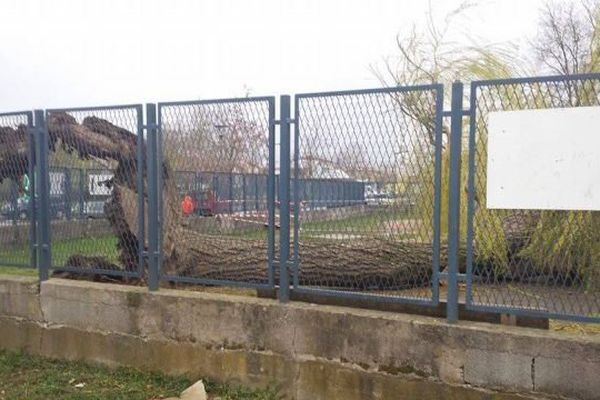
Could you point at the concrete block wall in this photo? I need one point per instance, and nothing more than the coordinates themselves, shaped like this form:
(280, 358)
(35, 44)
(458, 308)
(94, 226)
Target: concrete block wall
(309, 351)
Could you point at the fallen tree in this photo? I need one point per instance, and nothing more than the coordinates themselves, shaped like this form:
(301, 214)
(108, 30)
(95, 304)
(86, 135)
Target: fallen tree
(351, 263)
(14, 154)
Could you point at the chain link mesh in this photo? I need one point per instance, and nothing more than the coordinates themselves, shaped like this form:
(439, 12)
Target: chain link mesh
(15, 190)
(93, 189)
(364, 192)
(367, 194)
(540, 261)
(217, 153)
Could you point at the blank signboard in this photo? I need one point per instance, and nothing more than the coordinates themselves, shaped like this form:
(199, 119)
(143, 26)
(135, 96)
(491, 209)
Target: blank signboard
(544, 159)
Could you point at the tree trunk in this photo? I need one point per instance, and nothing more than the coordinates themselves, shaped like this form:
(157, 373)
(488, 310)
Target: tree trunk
(360, 264)
(14, 153)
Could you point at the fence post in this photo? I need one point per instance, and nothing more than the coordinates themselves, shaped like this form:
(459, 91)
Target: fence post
(284, 198)
(43, 193)
(295, 265)
(33, 244)
(139, 152)
(454, 201)
(152, 179)
(270, 188)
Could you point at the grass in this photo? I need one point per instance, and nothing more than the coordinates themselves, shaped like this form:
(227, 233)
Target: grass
(34, 378)
(22, 271)
(371, 222)
(368, 221)
(106, 245)
(62, 249)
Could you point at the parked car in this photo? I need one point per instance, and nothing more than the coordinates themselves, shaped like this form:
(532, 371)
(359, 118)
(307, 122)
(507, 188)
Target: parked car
(378, 199)
(8, 210)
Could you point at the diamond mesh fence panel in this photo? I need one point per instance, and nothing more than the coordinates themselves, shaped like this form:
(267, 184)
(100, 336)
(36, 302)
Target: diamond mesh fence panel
(539, 262)
(16, 188)
(365, 201)
(94, 183)
(215, 191)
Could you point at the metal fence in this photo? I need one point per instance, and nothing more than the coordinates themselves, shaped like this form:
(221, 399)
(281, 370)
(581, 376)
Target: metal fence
(386, 248)
(108, 140)
(81, 193)
(244, 193)
(236, 138)
(529, 262)
(17, 183)
(369, 195)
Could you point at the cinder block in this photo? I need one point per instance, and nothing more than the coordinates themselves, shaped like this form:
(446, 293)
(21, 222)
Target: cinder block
(19, 297)
(498, 370)
(567, 377)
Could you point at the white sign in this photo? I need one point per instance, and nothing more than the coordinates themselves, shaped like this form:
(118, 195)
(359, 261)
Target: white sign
(544, 159)
(96, 184)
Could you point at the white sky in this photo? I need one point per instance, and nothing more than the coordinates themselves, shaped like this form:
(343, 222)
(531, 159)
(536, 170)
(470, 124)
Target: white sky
(63, 53)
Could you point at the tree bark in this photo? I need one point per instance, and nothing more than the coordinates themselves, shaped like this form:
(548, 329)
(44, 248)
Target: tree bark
(360, 264)
(14, 153)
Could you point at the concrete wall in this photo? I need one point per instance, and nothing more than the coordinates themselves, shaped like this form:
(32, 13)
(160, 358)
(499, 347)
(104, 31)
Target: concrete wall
(310, 351)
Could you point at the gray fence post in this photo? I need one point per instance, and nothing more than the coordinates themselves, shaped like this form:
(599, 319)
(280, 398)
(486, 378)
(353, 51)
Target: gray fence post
(284, 198)
(43, 194)
(152, 178)
(33, 244)
(296, 178)
(270, 187)
(454, 201)
(140, 168)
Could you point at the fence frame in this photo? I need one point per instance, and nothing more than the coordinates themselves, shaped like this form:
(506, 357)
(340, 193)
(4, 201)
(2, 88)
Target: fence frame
(44, 216)
(31, 132)
(270, 284)
(472, 171)
(279, 188)
(438, 89)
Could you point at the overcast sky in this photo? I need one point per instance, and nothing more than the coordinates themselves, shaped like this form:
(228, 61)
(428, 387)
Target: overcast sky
(64, 53)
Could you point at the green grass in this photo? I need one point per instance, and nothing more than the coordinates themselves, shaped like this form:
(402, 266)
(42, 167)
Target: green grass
(18, 271)
(370, 221)
(62, 249)
(106, 245)
(24, 377)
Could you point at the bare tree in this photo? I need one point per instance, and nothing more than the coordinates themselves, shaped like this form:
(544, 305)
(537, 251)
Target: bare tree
(568, 40)
(221, 138)
(428, 56)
